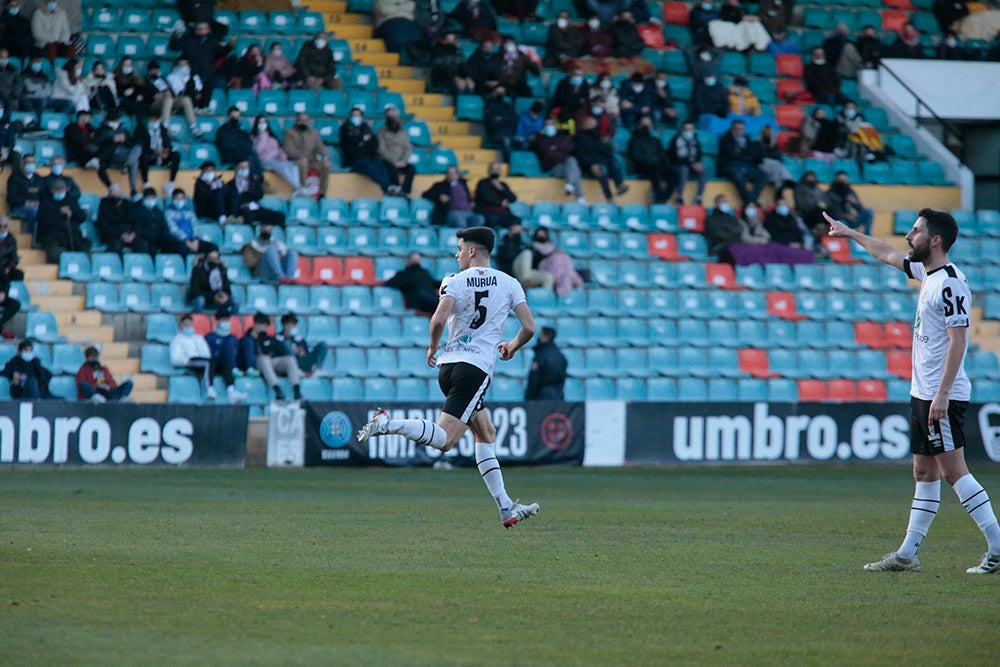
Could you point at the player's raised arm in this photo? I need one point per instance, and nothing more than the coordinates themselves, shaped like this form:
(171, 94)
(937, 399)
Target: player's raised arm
(438, 321)
(877, 248)
(524, 334)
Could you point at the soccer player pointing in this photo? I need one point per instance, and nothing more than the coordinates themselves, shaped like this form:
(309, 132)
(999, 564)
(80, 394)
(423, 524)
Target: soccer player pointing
(474, 304)
(940, 389)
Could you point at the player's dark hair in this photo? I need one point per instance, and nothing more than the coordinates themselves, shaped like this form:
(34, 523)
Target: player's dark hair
(940, 223)
(480, 236)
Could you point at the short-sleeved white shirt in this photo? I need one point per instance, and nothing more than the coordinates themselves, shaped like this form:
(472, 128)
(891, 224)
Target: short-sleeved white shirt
(945, 301)
(483, 298)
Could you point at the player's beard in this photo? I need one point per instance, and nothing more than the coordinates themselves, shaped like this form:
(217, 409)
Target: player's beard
(920, 253)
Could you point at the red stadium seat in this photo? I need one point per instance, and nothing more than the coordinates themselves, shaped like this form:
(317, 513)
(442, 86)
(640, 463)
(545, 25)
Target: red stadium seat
(789, 64)
(675, 12)
(841, 390)
(305, 276)
(870, 335)
(246, 322)
(812, 390)
(789, 115)
(898, 362)
(898, 4)
(663, 246)
(360, 271)
(328, 270)
(783, 138)
(898, 335)
(652, 36)
(202, 323)
(756, 363)
(782, 304)
(840, 250)
(893, 21)
(720, 274)
(872, 390)
(691, 217)
(792, 91)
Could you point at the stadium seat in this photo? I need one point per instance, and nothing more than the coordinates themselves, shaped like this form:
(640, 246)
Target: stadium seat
(872, 390)
(841, 390)
(42, 326)
(812, 390)
(74, 266)
(155, 359)
(789, 65)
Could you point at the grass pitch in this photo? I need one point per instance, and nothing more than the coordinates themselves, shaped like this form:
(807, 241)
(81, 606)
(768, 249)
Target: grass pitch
(742, 566)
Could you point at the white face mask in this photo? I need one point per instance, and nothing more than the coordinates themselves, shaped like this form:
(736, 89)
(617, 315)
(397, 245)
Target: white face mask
(549, 130)
(208, 176)
(510, 48)
(637, 87)
(605, 85)
(661, 83)
(149, 203)
(320, 43)
(819, 61)
(562, 23)
(277, 53)
(594, 24)
(126, 70)
(262, 127)
(705, 56)
(710, 81)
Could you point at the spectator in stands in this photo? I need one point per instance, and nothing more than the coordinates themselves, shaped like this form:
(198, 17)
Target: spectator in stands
(190, 351)
(69, 85)
(685, 155)
(515, 257)
(448, 66)
(24, 190)
(548, 369)
(820, 134)
(201, 49)
(431, 18)
(842, 53)
(249, 69)
(664, 112)
(181, 221)
(9, 307)
(115, 226)
(418, 286)
(845, 205)
(81, 140)
(8, 253)
(777, 173)
(452, 201)
(279, 69)
(152, 224)
(359, 151)
(555, 151)
(522, 10)
(785, 226)
(725, 231)
(15, 30)
(316, 64)
(597, 40)
(395, 25)
(499, 122)
(395, 149)
(735, 29)
(223, 347)
(243, 194)
(709, 97)
(604, 95)
(118, 150)
(272, 356)
(157, 150)
(135, 94)
(29, 380)
(484, 66)
(572, 94)
(309, 360)
(272, 156)
(305, 148)
(742, 100)
(563, 42)
(102, 91)
(209, 286)
(947, 12)
(8, 138)
(178, 89)
(38, 90)
(57, 169)
(196, 11)
(822, 80)
(782, 45)
(11, 85)
(949, 49)
(50, 28)
(637, 100)
(209, 194)
(95, 382)
(529, 123)
(596, 157)
(515, 65)
(772, 16)
(547, 258)
(699, 19)
(475, 18)
(703, 61)
(650, 161)
(269, 259)
(739, 161)
(625, 38)
(907, 44)
(493, 199)
(810, 200)
(235, 144)
(853, 130)
(59, 220)
(870, 46)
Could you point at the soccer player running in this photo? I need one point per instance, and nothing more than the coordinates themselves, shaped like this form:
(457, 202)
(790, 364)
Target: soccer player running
(474, 303)
(940, 389)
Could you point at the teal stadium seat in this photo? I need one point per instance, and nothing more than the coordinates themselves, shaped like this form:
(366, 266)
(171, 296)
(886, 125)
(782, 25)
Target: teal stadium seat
(66, 358)
(155, 359)
(74, 266)
(184, 389)
(42, 326)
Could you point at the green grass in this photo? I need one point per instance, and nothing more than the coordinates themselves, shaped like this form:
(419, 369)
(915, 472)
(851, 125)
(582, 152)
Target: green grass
(746, 566)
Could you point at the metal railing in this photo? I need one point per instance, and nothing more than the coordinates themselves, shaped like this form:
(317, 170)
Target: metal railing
(950, 130)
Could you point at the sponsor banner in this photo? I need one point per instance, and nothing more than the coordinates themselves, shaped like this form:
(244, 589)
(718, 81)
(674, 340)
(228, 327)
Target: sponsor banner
(62, 432)
(534, 432)
(286, 444)
(762, 432)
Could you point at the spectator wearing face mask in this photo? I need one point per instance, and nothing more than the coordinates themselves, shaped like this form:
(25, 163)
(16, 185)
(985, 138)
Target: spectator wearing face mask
(448, 71)
(181, 221)
(243, 194)
(822, 80)
(499, 122)
(270, 259)
(739, 161)
(625, 38)
(742, 100)
(279, 69)
(57, 172)
(636, 100)
(563, 42)
(359, 151)
(202, 49)
(309, 359)
(664, 112)
(484, 66)
(190, 351)
(515, 257)
(316, 64)
(101, 88)
(555, 151)
(157, 150)
(476, 19)
(51, 31)
(305, 148)
(15, 30)
(223, 348)
(118, 150)
(418, 286)
(514, 69)
(178, 89)
(70, 86)
(650, 161)
(95, 382)
(597, 40)
(725, 230)
(29, 380)
(152, 224)
(115, 225)
(699, 19)
(493, 199)
(272, 156)
(603, 94)
(529, 123)
(209, 195)
(810, 200)
(38, 91)
(596, 157)
(24, 189)
(59, 220)
(209, 287)
(572, 94)
(395, 149)
(272, 356)
(703, 61)
(235, 143)
(709, 97)
(135, 95)
(81, 141)
(784, 226)
(547, 258)
(685, 156)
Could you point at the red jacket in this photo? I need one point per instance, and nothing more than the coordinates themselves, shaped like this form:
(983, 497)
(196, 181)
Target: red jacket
(96, 375)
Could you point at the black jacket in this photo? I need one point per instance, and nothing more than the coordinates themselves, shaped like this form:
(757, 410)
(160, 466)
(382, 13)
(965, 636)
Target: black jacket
(21, 189)
(731, 153)
(234, 143)
(647, 154)
(236, 201)
(489, 199)
(508, 249)
(559, 42)
(142, 139)
(200, 52)
(784, 229)
(709, 99)
(569, 98)
(8, 256)
(151, 225)
(31, 368)
(591, 149)
(482, 67)
(356, 142)
(54, 224)
(81, 145)
(114, 218)
(209, 202)
(499, 117)
(416, 284)
(627, 40)
(433, 194)
(207, 280)
(684, 152)
(547, 375)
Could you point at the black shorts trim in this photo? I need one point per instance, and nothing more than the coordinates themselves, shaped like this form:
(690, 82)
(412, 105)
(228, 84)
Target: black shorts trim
(947, 435)
(464, 387)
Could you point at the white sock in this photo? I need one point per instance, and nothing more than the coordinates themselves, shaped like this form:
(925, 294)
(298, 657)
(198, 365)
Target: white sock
(977, 503)
(926, 500)
(421, 431)
(489, 468)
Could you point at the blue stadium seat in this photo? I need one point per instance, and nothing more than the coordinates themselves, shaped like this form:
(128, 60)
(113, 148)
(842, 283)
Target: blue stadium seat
(42, 326)
(138, 266)
(74, 266)
(155, 359)
(135, 297)
(262, 298)
(782, 390)
(184, 389)
(692, 390)
(66, 358)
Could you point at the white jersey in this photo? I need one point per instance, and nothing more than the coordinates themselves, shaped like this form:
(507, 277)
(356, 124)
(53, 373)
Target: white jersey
(944, 303)
(483, 298)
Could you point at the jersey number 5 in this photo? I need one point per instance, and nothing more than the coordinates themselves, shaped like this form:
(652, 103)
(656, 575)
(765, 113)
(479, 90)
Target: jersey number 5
(480, 317)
